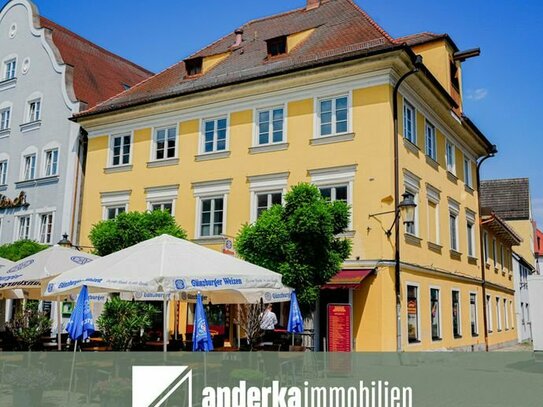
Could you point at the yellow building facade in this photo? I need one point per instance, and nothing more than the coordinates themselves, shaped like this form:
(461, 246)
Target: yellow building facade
(207, 157)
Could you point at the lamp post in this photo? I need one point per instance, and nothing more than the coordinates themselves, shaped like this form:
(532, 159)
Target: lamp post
(65, 242)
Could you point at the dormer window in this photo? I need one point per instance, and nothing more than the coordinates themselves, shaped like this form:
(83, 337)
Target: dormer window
(455, 80)
(277, 46)
(193, 66)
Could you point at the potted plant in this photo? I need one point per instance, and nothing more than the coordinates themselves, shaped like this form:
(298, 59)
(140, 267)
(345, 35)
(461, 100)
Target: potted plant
(28, 385)
(113, 392)
(123, 322)
(28, 326)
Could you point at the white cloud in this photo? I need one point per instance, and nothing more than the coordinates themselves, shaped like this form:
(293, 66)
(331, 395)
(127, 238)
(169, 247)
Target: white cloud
(477, 94)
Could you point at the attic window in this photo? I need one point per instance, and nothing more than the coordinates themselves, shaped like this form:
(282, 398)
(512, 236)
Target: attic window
(126, 86)
(277, 46)
(455, 80)
(193, 66)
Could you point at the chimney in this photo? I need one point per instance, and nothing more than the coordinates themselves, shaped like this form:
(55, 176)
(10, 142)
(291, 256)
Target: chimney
(311, 4)
(239, 37)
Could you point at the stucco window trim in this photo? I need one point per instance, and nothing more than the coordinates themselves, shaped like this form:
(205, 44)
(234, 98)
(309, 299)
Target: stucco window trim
(109, 165)
(216, 155)
(30, 126)
(266, 184)
(412, 185)
(201, 144)
(8, 84)
(211, 190)
(163, 163)
(418, 342)
(152, 158)
(37, 222)
(440, 303)
(267, 148)
(114, 199)
(317, 114)
(256, 126)
(335, 138)
(161, 195)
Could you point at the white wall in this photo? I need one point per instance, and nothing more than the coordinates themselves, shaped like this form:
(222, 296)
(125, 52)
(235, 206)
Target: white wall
(535, 292)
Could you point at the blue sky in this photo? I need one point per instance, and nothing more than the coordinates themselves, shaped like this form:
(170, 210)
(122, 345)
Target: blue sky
(502, 87)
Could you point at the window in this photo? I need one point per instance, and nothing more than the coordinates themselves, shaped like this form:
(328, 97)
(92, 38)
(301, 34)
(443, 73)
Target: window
(34, 110)
(512, 310)
(111, 212)
(506, 314)
(470, 228)
(3, 172)
(409, 126)
(489, 313)
(468, 179)
(456, 315)
(433, 215)
(277, 46)
(473, 314)
(162, 206)
(523, 314)
(29, 169)
(24, 228)
(10, 69)
(46, 228)
(215, 135)
(502, 257)
(494, 253)
(335, 193)
(165, 140)
(270, 126)
(333, 116)
(121, 146)
(453, 229)
(51, 162)
(211, 217)
(194, 66)
(5, 116)
(435, 314)
(527, 313)
(498, 314)
(265, 201)
(485, 246)
(412, 314)
(431, 150)
(450, 158)
(413, 228)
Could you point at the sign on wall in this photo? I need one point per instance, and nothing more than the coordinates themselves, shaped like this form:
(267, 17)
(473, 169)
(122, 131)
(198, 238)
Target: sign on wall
(339, 328)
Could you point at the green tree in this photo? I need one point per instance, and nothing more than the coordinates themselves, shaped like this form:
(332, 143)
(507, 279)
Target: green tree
(127, 229)
(299, 241)
(20, 249)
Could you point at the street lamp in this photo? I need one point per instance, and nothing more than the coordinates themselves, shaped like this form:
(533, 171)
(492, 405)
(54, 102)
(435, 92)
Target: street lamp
(405, 209)
(64, 242)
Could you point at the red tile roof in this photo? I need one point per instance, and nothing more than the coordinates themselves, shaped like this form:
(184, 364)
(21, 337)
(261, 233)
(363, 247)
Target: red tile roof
(423, 38)
(341, 29)
(97, 73)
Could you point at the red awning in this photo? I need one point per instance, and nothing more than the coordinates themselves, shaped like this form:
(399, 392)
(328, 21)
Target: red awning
(347, 279)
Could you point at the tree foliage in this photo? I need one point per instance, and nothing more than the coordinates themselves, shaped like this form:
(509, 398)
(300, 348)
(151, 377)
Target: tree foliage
(299, 241)
(128, 229)
(20, 249)
(29, 325)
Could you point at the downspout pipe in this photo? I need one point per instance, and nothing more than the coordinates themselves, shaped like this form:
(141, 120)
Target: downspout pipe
(492, 153)
(417, 65)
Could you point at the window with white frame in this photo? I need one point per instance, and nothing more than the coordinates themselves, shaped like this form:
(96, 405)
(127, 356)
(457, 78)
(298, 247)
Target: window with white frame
(165, 143)
(211, 207)
(435, 313)
(23, 230)
(29, 167)
(120, 150)
(506, 314)
(433, 215)
(111, 212)
(412, 186)
(409, 122)
(489, 313)
(114, 203)
(498, 315)
(495, 253)
(512, 311)
(46, 228)
(266, 191)
(215, 135)
(453, 226)
(3, 172)
(450, 157)
(485, 247)
(34, 110)
(413, 334)
(10, 69)
(336, 183)
(51, 162)
(5, 118)
(431, 145)
(212, 216)
(470, 231)
(333, 115)
(162, 198)
(502, 257)
(456, 314)
(265, 200)
(468, 179)
(473, 314)
(270, 126)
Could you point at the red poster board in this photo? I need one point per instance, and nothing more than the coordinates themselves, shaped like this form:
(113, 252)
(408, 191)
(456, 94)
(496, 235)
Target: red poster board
(339, 328)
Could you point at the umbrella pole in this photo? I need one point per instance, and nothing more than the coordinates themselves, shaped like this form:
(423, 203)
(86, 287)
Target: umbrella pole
(72, 371)
(165, 326)
(59, 324)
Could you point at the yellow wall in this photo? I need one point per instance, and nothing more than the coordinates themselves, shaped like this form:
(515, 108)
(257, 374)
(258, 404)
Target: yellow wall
(507, 334)
(296, 39)
(525, 230)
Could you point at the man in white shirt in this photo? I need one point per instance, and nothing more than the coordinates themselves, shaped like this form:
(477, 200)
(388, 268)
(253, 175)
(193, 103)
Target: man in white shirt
(268, 322)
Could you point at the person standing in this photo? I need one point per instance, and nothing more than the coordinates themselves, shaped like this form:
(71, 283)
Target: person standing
(268, 322)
